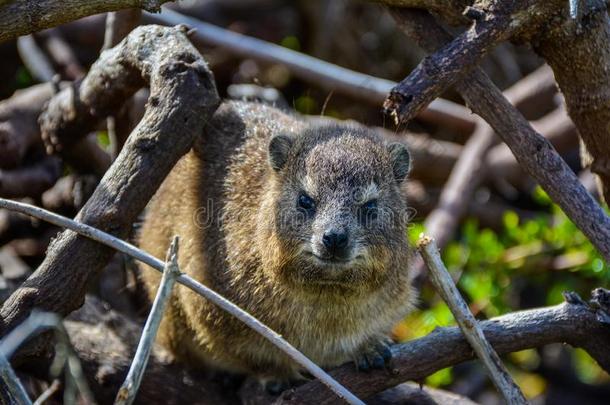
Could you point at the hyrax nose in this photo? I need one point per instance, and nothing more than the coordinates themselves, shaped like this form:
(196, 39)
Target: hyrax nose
(334, 241)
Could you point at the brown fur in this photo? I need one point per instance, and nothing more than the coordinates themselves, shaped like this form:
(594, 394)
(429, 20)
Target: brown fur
(226, 203)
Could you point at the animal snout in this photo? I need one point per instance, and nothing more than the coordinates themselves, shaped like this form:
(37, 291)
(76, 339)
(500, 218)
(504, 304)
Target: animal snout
(335, 242)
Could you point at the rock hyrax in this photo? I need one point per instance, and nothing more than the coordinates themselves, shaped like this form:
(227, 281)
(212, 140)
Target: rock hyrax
(302, 225)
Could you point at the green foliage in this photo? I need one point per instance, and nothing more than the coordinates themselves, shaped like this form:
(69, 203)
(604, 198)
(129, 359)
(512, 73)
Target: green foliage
(291, 42)
(23, 78)
(527, 264)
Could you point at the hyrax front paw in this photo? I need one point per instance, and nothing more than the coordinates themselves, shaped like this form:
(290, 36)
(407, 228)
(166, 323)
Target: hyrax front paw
(375, 355)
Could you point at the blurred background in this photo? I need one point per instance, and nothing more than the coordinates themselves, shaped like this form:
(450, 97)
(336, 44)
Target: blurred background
(513, 249)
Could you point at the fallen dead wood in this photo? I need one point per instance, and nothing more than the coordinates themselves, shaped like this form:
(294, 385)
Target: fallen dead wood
(574, 322)
(183, 96)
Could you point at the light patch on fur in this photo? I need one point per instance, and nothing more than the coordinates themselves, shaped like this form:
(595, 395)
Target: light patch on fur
(371, 192)
(309, 185)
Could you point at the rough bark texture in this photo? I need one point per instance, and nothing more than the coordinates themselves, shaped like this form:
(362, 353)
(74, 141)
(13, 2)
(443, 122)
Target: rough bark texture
(573, 322)
(23, 17)
(577, 50)
(105, 341)
(183, 96)
(580, 58)
(532, 151)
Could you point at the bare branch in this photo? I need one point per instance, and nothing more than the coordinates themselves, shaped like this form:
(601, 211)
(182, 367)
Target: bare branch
(28, 16)
(445, 286)
(128, 391)
(573, 322)
(534, 152)
(252, 322)
(30, 181)
(324, 74)
(34, 59)
(11, 382)
(65, 357)
(183, 97)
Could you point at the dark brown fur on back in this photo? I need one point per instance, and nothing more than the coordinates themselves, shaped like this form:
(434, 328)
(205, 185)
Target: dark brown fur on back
(244, 235)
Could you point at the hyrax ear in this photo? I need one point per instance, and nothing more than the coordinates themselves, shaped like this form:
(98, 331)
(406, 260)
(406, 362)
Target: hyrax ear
(401, 160)
(279, 147)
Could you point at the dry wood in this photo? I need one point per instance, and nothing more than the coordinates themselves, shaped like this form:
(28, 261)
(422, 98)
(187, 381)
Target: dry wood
(556, 126)
(445, 286)
(252, 322)
(118, 25)
(472, 168)
(580, 58)
(412, 393)
(183, 96)
(327, 75)
(573, 322)
(35, 59)
(19, 132)
(532, 151)
(28, 16)
(128, 391)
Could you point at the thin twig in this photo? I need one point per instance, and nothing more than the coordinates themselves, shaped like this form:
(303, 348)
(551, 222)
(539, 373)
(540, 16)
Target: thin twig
(12, 383)
(222, 302)
(37, 323)
(324, 74)
(48, 393)
(445, 286)
(130, 387)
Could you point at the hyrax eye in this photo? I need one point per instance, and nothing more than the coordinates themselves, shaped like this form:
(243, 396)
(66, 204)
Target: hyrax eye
(369, 210)
(306, 203)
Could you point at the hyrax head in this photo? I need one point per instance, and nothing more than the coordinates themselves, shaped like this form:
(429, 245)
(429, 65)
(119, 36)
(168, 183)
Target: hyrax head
(338, 216)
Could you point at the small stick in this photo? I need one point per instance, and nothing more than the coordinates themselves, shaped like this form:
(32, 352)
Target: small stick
(11, 382)
(130, 386)
(53, 388)
(37, 323)
(445, 286)
(213, 296)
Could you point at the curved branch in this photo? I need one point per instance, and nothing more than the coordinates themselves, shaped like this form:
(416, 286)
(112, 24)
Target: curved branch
(572, 322)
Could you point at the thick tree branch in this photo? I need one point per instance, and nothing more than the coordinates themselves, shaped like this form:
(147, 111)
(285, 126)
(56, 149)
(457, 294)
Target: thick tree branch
(327, 75)
(27, 16)
(532, 151)
(183, 97)
(494, 21)
(580, 57)
(573, 322)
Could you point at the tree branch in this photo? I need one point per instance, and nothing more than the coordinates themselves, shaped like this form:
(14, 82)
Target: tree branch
(573, 322)
(183, 97)
(532, 151)
(324, 74)
(27, 16)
